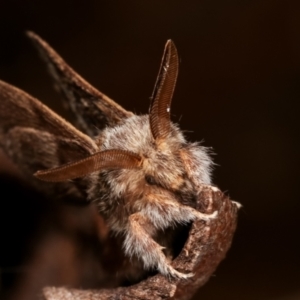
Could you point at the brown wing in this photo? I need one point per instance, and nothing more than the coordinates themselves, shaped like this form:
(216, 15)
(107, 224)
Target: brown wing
(92, 109)
(34, 136)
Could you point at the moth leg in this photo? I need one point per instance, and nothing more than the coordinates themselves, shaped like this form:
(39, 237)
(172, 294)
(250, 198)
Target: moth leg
(164, 212)
(139, 242)
(204, 216)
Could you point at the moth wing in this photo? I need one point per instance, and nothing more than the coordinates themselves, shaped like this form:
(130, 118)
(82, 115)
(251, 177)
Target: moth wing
(92, 109)
(35, 137)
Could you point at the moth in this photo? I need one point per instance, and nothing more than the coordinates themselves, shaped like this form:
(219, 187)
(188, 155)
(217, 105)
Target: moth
(139, 170)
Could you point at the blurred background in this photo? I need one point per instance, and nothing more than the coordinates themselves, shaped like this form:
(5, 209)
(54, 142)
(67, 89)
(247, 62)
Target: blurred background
(238, 90)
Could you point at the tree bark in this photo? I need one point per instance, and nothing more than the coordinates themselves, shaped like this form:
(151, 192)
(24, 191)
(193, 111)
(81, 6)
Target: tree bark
(204, 249)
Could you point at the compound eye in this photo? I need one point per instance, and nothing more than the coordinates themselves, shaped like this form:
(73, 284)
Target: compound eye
(150, 180)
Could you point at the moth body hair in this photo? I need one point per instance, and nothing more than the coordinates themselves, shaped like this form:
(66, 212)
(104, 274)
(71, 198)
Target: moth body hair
(125, 192)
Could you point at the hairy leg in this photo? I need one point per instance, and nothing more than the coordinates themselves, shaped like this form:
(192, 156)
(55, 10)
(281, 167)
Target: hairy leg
(164, 212)
(138, 241)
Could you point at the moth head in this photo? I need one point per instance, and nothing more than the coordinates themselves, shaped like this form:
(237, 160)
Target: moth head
(170, 166)
(145, 153)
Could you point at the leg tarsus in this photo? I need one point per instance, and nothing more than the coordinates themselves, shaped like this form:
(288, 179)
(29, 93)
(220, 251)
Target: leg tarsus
(206, 217)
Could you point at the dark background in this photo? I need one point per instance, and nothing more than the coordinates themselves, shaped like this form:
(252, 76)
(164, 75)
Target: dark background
(238, 90)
